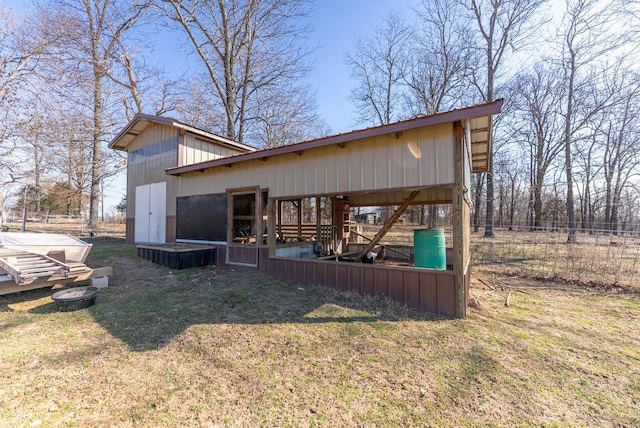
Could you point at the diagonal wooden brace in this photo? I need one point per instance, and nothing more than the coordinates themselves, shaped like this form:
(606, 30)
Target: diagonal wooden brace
(385, 228)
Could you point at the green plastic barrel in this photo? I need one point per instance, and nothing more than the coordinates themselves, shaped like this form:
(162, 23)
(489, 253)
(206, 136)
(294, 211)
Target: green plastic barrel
(429, 249)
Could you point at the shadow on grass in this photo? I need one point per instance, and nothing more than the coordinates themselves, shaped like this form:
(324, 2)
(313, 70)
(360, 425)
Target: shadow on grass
(24, 297)
(146, 304)
(150, 313)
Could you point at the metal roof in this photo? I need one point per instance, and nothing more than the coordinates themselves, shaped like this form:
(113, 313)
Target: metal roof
(140, 122)
(479, 116)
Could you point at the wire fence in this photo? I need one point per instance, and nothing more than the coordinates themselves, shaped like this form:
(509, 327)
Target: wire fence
(598, 257)
(72, 225)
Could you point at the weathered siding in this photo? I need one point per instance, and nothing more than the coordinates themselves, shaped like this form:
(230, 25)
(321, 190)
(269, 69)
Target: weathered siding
(415, 158)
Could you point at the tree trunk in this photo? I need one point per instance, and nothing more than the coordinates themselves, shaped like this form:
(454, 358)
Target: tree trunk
(513, 202)
(478, 201)
(96, 162)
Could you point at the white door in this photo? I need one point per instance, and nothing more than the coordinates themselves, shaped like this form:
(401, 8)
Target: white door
(151, 213)
(158, 212)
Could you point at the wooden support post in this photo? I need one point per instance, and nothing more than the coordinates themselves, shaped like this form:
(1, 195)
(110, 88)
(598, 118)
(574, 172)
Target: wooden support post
(460, 254)
(300, 220)
(271, 227)
(318, 219)
(259, 228)
(385, 228)
(280, 219)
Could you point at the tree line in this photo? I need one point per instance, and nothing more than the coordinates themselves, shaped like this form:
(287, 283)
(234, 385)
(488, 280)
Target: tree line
(565, 149)
(567, 146)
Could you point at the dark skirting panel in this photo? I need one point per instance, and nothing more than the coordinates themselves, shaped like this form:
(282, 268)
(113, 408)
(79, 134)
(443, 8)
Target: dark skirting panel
(243, 254)
(178, 258)
(429, 290)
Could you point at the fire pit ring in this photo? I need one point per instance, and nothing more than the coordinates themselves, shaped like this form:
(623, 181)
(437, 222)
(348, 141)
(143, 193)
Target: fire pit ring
(75, 298)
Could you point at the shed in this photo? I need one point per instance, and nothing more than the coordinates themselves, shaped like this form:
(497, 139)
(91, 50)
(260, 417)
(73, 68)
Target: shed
(236, 199)
(154, 144)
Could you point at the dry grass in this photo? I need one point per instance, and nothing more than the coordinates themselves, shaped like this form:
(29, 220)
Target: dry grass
(598, 260)
(229, 347)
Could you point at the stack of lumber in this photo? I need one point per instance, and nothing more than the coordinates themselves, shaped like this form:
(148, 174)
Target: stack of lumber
(23, 270)
(25, 267)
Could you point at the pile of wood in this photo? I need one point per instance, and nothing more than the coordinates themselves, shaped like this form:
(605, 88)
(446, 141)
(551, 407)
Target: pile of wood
(23, 270)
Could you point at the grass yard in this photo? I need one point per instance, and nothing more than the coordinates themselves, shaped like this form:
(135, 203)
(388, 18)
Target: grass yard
(223, 346)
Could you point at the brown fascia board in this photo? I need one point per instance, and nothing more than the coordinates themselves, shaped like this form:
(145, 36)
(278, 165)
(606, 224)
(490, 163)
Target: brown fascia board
(479, 110)
(177, 124)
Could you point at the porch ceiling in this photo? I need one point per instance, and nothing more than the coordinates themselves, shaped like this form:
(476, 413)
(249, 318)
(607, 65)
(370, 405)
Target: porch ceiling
(434, 195)
(480, 143)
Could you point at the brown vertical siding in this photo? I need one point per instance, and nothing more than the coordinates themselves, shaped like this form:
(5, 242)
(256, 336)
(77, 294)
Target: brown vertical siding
(429, 292)
(396, 285)
(170, 229)
(263, 256)
(367, 281)
(381, 282)
(309, 273)
(330, 274)
(412, 289)
(221, 254)
(355, 280)
(343, 277)
(447, 294)
(130, 230)
(244, 255)
(298, 272)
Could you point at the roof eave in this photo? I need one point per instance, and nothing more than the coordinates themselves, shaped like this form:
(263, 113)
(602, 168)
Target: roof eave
(480, 110)
(141, 117)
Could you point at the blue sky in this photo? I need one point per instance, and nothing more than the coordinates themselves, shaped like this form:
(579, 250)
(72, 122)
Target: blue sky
(336, 26)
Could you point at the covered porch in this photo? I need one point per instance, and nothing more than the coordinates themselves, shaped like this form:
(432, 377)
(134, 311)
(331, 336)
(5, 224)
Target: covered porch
(289, 209)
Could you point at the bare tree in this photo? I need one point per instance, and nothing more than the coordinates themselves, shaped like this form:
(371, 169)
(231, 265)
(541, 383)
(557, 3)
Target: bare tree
(21, 47)
(94, 32)
(34, 144)
(621, 150)
(538, 95)
(588, 159)
(247, 47)
(286, 117)
(142, 83)
(436, 75)
(378, 64)
(438, 62)
(502, 25)
(587, 33)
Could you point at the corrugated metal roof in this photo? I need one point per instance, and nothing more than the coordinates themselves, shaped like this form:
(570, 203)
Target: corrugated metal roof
(141, 121)
(480, 116)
